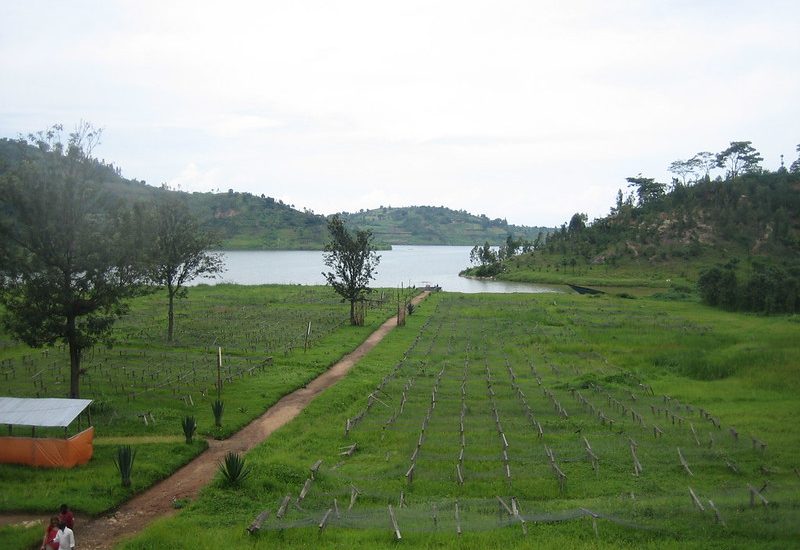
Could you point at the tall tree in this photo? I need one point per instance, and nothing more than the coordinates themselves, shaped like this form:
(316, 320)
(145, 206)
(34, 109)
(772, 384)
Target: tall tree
(684, 168)
(66, 260)
(648, 190)
(740, 157)
(706, 161)
(795, 166)
(178, 251)
(353, 261)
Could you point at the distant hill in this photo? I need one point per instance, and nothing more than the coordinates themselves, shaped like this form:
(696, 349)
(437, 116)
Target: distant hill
(244, 221)
(437, 225)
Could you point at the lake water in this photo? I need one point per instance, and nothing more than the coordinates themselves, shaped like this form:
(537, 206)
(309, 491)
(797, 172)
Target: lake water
(406, 265)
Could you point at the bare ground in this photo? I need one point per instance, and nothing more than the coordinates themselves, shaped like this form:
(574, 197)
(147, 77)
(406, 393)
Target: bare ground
(185, 484)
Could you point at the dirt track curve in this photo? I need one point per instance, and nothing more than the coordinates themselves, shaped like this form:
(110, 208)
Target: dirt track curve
(134, 515)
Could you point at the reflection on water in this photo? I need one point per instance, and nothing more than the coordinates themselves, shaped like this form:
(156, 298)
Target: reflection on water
(406, 265)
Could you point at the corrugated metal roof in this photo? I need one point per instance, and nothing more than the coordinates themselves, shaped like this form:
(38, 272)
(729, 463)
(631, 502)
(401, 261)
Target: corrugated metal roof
(42, 412)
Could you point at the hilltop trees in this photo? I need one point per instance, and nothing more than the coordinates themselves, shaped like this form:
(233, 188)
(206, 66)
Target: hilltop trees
(740, 157)
(648, 190)
(178, 251)
(67, 261)
(353, 260)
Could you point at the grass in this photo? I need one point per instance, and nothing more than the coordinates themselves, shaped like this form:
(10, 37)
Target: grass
(92, 488)
(741, 370)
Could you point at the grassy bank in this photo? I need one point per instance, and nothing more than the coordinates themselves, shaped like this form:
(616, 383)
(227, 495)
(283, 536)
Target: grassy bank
(634, 380)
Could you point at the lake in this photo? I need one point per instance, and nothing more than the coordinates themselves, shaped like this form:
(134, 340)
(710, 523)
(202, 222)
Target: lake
(406, 265)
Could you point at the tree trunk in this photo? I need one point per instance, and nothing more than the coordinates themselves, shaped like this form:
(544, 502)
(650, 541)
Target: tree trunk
(170, 316)
(74, 359)
(352, 312)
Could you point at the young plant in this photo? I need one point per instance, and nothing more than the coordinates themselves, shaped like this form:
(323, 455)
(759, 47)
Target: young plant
(217, 407)
(124, 463)
(234, 469)
(189, 427)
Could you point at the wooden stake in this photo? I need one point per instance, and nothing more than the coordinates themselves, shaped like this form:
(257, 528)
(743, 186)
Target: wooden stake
(696, 500)
(282, 509)
(324, 522)
(394, 523)
(258, 522)
(716, 513)
(683, 462)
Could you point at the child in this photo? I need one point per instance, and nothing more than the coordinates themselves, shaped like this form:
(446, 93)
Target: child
(49, 540)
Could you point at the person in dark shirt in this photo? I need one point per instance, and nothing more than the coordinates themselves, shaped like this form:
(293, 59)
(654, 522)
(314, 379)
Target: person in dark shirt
(66, 516)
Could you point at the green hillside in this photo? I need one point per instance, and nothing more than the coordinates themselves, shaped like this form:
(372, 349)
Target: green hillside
(437, 225)
(244, 221)
(746, 226)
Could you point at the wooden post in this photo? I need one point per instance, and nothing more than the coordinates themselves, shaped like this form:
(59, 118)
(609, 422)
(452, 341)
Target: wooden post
(308, 334)
(324, 522)
(683, 462)
(458, 521)
(258, 522)
(282, 509)
(696, 500)
(394, 523)
(716, 513)
(219, 373)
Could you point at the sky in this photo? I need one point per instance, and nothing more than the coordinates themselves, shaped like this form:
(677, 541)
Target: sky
(526, 110)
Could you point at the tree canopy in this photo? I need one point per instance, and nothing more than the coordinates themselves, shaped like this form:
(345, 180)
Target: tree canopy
(353, 260)
(67, 262)
(178, 250)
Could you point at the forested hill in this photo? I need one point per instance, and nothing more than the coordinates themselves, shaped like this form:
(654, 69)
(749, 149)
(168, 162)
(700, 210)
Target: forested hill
(437, 225)
(745, 225)
(248, 222)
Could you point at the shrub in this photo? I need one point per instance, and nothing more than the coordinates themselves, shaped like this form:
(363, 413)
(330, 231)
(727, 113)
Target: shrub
(234, 469)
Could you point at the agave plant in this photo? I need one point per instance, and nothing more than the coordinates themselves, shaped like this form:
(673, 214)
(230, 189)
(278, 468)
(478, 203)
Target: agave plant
(189, 427)
(124, 463)
(217, 407)
(234, 469)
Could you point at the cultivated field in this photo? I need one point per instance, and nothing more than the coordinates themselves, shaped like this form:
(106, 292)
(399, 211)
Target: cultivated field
(502, 420)
(143, 387)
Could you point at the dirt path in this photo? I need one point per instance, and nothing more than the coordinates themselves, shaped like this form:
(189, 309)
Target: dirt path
(135, 514)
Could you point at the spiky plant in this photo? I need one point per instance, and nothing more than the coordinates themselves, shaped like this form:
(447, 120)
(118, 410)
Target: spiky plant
(124, 463)
(189, 427)
(217, 407)
(234, 469)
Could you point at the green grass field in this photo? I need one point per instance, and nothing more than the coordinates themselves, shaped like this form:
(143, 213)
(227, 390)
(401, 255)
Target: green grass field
(144, 375)
(635, 380)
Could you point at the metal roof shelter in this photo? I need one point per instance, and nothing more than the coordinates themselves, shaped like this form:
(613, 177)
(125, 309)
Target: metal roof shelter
(41, 412)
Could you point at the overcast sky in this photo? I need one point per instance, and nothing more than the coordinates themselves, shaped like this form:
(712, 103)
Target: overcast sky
(530, 110)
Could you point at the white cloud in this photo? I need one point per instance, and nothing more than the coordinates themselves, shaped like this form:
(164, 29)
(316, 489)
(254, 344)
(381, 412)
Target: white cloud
(517, 109)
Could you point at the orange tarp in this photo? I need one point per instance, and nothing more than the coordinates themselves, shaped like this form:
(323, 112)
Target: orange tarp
(48, 452)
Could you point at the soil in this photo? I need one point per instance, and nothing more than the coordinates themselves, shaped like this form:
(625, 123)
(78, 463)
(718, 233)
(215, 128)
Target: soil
(185, 484)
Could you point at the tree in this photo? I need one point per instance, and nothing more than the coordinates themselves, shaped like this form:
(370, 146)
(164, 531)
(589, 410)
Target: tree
(684, 168)
(67, 264)
(795, 166)
(739, 157)
(577, 223)
(353, 260)
(648, 190)
(706, 161)
(178, 251)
